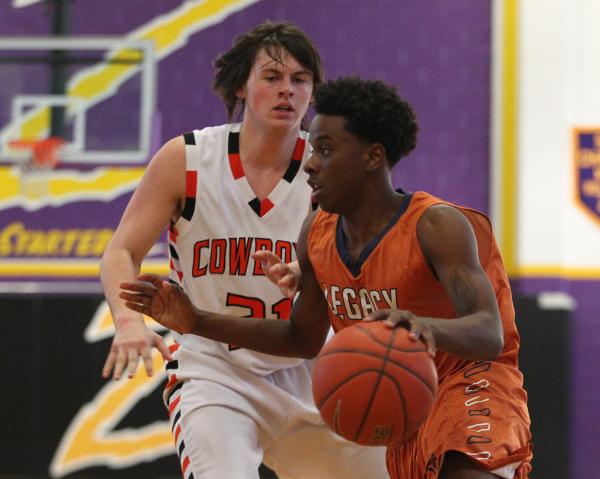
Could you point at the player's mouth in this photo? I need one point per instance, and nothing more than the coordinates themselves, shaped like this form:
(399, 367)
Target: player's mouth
(284, 109)
(316, 189)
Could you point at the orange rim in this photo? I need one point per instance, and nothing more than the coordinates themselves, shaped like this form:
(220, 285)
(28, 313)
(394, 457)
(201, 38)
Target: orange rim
(44, 152)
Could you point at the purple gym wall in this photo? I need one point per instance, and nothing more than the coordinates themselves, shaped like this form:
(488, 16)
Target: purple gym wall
(437, 53)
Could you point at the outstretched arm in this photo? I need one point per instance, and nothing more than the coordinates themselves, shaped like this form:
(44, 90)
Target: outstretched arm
(449, 246)
(155, 201)
(302, 336)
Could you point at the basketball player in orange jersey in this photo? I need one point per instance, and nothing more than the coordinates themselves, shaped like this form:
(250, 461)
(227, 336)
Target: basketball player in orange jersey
(410, 259)
(227, 191)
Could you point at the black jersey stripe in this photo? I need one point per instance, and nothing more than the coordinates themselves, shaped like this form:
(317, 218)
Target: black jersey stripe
(255, 205)
(176, 388)
(172, 364)
(292, 170)
(233, 143)
(188, 208)
(189, 138)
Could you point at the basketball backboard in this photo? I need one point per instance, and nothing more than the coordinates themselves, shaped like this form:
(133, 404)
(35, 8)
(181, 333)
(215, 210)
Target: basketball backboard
(98, 93)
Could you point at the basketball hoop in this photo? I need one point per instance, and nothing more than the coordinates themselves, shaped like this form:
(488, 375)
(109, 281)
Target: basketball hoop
(42, 156)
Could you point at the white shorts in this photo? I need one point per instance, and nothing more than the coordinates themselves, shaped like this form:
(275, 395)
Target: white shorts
(227, 420)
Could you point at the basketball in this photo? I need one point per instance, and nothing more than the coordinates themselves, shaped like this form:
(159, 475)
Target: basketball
(373, 385)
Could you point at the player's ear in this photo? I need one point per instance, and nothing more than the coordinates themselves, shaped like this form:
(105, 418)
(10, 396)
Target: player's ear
(241, 92)
(375, 157)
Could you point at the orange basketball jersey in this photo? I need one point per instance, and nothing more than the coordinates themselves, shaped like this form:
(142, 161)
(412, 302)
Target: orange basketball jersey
(481, 407)
(392, 273)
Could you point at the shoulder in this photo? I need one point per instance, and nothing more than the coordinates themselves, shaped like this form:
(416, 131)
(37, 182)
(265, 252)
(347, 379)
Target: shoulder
(217, 132)
(441, 220)
(321, 220)
(445, 234)
(173, 152)
(166, 169)
(319, 230)
(171, 155)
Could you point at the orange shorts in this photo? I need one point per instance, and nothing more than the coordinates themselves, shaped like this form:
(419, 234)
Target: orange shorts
(480, 411)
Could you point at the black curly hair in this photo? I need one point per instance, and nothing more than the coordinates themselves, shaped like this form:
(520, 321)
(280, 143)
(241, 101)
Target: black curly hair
(277, 38)
(373, 111)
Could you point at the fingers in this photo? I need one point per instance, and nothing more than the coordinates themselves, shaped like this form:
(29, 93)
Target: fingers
(143, 287)
(147, 358)
(377, 315)
(141, 300)
(267, 258)
(153, 279)
(122, 360)
(139, 308)
(133, 342)
(288, 285)
(133, 360)
(119, 360)
(108, 364)
(417, 329)
(429, 340)
(119, 364)
(163, 349)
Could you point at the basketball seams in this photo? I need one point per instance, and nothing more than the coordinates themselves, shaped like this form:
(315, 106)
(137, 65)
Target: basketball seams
(395, 362)
(395, 349)
(380, 374)
(375, 387)
(375, 339)
(370, 371)
(346, 380)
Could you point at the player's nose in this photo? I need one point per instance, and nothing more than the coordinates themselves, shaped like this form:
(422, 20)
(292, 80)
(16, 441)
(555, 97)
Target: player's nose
(310, 165)
(286, 89)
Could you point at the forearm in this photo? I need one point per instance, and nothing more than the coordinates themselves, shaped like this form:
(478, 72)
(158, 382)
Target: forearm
(117, 266)
(477, 336)
(269, 336)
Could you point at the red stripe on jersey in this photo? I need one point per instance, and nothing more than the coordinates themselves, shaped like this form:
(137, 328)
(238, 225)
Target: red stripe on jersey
(185, 464)
(236, 165)
(191, 182)
(177, 433)
(174, 404)
(174, 347)
(180, 275)
(172, 381)
(171, 265)
(299, 149)
(173, 233)
(265, 206)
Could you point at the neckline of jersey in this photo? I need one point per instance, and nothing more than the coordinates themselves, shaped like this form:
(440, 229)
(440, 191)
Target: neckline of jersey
(262, 207)
(356, 267)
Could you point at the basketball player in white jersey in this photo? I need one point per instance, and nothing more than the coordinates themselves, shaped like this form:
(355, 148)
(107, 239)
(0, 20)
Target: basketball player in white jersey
(226, 192)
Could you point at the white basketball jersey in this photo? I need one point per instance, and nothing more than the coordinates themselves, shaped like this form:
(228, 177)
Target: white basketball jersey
(222, 224)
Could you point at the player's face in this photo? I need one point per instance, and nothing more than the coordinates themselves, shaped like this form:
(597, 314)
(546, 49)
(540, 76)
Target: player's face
(336, 166)
(277, 93)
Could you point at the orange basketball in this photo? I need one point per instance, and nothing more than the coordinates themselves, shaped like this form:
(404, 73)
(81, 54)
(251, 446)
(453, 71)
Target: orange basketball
(373, 385)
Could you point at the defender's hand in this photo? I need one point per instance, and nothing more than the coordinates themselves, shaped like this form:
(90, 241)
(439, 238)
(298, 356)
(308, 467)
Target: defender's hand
(417, 327)
(133, 340)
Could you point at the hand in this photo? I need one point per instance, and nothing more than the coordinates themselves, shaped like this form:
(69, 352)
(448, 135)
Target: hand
(166, 303)
(417, 327)
(132, 340)
(285, 276)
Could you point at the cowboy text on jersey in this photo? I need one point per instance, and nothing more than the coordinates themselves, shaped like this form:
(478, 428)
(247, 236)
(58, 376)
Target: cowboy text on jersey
(233, 256)
(350, 303)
